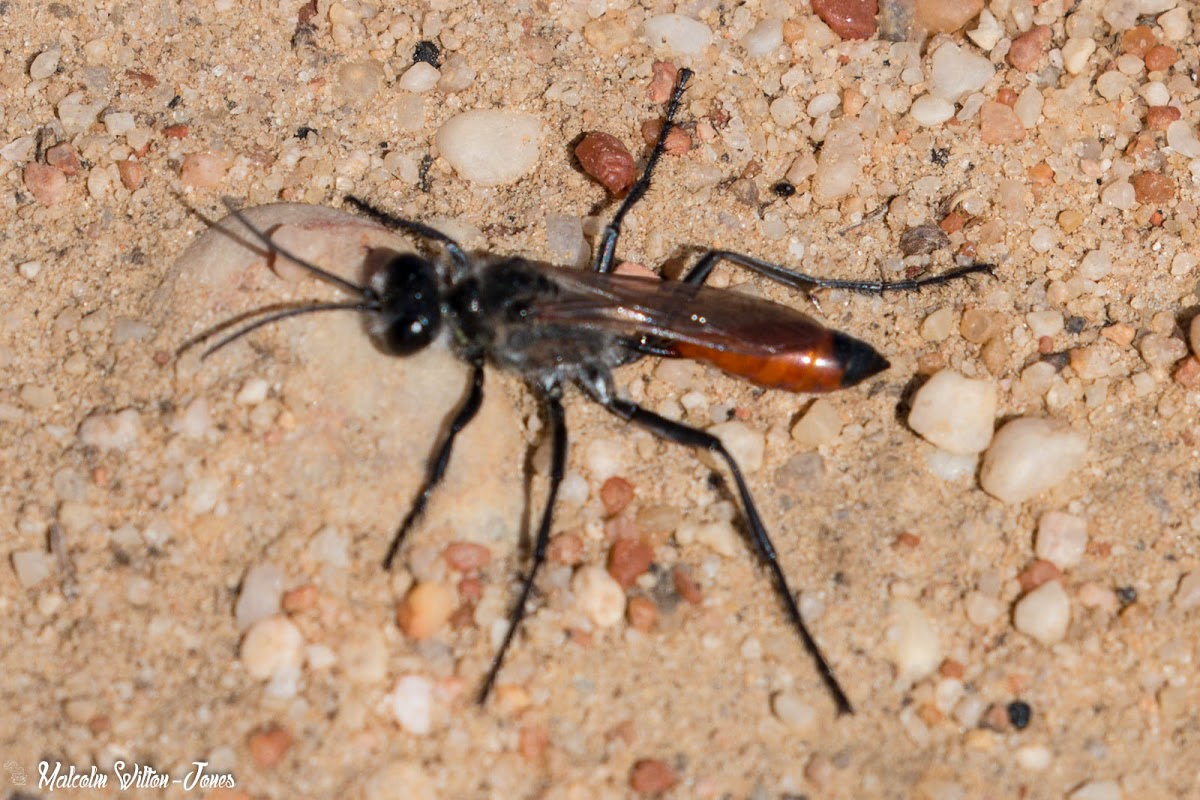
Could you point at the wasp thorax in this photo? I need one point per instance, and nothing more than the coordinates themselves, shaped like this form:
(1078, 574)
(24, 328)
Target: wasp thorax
(410, 304)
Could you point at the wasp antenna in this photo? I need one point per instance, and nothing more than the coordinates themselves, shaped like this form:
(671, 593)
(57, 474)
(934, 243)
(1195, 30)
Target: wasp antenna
(412, 226)
(312, 268)
(267, 320)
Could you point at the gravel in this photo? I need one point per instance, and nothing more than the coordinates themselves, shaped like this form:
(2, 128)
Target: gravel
(1061, 539)
(121, 431)
(956, 72)
(1028, 456)
(260, 595)
(272, 646)
(678, 34)
(1044, 614)
(913, 641)
(410, 703)
(598, 595)
(954, 412)
(490, 147)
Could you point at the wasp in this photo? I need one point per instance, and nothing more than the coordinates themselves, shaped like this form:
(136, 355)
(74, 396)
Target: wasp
(559, 327)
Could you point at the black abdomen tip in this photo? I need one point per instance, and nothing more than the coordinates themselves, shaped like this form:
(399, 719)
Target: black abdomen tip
(858, 359)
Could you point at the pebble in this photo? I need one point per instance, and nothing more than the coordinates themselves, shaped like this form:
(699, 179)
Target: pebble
(38, 397)
(76, 114)
(490, 147)
(719, 536)
(1034, 758)
(677, 33)
(628, 559)
(764, 38)
(1027, 49)
(271, 646)
(915, 648)
(849, 19)
(564, 239)
(1161, 351)
(978, 326)
(999, 124)
(1175, 24)
(949, 466)
(1037, 573)
(1075, 53)
(946, 16)
(988, 31)
(411, 704)
(260, 595)
(791, 710)
(1153, 187)
(1061, 539)
(820, 425)
(956, 72)
(598, 595)
(425, 609)
(132, 174)
(120, 431)
(615, 494)
(641, 613)
(608, 35)
(45, 63)
(252, 392)
(268, 745)
(420, 78)
(1181, 138)
(456, 74)
(955, 413)
(604, 458)
(47, 184)
(1095, 265)
(31, 566)
(1097, 790)
(982, 609)
(1044, 614)
(608, 160)
(929, 110)
(1029, 455)
(467, 556)
(839, 166)
(1187, 595)
(652, 776)
(359, 81)
(746, 444)
(203, 170)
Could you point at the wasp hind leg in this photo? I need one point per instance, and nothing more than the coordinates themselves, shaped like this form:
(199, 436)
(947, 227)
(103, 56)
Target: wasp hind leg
(691, 437)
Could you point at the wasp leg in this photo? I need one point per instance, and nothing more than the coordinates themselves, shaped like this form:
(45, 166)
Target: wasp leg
(412, 226)
(437, 467)
(558, 460)
(798, 280)
(608, 240)
(691, 437)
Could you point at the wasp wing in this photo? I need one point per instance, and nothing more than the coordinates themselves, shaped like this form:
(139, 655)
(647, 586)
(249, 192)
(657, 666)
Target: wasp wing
(671, 311)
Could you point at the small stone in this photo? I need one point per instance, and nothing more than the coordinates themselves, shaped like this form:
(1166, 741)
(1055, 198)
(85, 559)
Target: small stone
(849, 19)
(77, 115)
(599, 596)
(269, 745)
(411, 704)
(490, 147)
(820, 425)
(1076, 52)
(981, 609)
(746, 445)
(791, 709)
(641, 613)
(1187, 594)
(565, 549)
(1161, 351)
(260, 595)
(1036, 574)
(1034, 758)
(677, 33)
(45, 63)
(1097, 790)
(929, 111)
(1182, 139)
(1044, 323)
(1028, 456)
(999, 124)
(133, 174)
(1137, 40)
(1159, 118)
(47, 184)
(120, 431)
(1061, 539)
(916, 650)
(297, 601)
(456, 74)
(615, 494)
(1028, 48)
(937, 326)
(270, 646)
(1153, 188)
(719, 536)
(946, 16)
(652, 777)
(608, 160)
(31, 567)
(203, 170)
(610, 34)
(764, 38)
(956, 72)
(1175, 24)
(988, 31)
(467, 556)
(838, 167)
(425, 609)
(1044, 614)
(1160, 58)
(628, 559)
(359, 81)
(979, 326)
(65, 158)
(955, 413)
(420, 77)
(119, 123)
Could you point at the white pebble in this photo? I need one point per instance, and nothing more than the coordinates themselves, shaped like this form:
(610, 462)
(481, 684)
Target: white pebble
(411, 704)
(1034, 758)
(490, 147)
(988, 31)
(743, 442)
(1181, 138)
(130, 330)
(916, 651)
(1044, 614)
(1028, 456)
(202, 494)
(1097, 790)
(195, 421)
(677, 33)
(1095, 265)
(598, 595)
(820, 424)
(951, 466)
(1187, 595)
(1119, 194)
(929, 110)
(261, 592)
(1075, 53)
(956, 72)
(792, 711)
(1155, 93)
(420, 77)
(1061, 539)
(1183, 263)
(330, 547)
(1175, 24)
(45, 63)
(764, 38)
(120, 431)
(19, 150)
(564, 239)
(253, 392)
(937, 326)
(31, 566)
(119, 123)
(719, 536)
(604, 458)
(1044, 323)
(982, 609)
(838, 168)
(270, 646)
(823, 104)
(954, 412)
(76, 114)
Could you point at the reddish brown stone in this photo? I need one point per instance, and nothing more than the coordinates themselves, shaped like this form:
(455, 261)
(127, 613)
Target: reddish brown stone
(615, 495)
(1160, 58)
(176, 131)
(64, 157)
(641, 613)
(467, 556)
(269, 745)
(1153, 187)
(685, 586)
(1136, 41)
(678, 141)
(628, 559)
(1037, 573)
(133, 174)
(565, 549)
(300, 599)
(849, 19)
(1159, 117)
(1027, 49)
(999, 124)
(652, 776)
(47, 184)
(606, 159)
(662, 82)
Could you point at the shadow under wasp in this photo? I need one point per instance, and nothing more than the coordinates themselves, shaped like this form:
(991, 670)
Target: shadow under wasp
(558, 326)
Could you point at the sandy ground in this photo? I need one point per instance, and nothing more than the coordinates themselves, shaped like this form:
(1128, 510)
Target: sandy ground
(134, 655)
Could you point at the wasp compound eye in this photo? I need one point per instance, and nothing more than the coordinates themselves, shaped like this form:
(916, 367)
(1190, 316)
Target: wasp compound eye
(410, 304)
